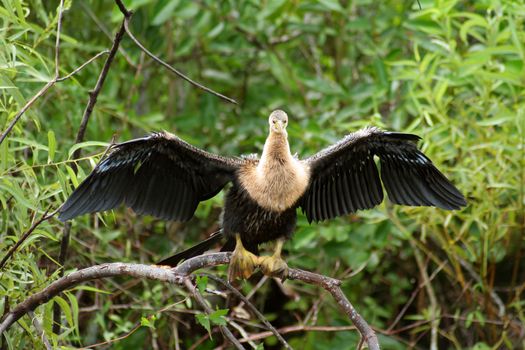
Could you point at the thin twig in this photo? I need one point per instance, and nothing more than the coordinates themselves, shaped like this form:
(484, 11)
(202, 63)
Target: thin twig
(198, 297)
(25, 108)
(93, 95)
(35, 224)
(243, 333)
(40, 330)
(83, 65)
(298, 328)
(493, 295)
(53, 81)
(434, 307)
(252, 307)
(413, 296)
(127, 15)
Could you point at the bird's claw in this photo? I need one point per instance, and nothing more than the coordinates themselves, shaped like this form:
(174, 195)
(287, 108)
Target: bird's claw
(274, 266)
(242, 264)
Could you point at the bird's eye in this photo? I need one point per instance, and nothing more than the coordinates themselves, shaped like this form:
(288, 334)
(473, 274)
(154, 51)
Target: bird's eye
(274, 121)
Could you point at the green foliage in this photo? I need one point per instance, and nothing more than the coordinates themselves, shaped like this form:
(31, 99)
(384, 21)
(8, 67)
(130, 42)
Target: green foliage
(452, 72)
(214, 318)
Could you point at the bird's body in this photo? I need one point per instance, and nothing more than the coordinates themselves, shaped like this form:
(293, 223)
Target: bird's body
(162, 175)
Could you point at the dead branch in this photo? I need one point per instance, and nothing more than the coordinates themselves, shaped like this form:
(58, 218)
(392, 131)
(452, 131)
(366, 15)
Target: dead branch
(179, 275)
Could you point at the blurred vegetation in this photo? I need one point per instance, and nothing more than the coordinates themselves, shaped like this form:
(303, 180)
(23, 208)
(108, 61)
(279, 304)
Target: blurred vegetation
(452, 72)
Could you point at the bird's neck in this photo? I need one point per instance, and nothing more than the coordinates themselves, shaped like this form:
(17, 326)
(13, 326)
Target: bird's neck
(276, 150)
(278, 180)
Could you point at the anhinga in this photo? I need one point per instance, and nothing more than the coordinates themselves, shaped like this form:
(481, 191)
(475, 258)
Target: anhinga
(163, 176)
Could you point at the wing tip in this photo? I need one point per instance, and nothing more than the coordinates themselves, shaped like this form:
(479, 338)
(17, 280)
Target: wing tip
(402, 136)
(63, 217)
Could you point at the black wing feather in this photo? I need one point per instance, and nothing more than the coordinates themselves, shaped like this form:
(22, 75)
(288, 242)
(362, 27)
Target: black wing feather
(344, 177)
(159, 175)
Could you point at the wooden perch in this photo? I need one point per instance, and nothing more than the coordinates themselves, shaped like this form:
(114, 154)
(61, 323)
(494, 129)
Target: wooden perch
(180, 276)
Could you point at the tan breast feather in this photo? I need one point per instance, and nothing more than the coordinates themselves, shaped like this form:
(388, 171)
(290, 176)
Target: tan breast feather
(277, 181)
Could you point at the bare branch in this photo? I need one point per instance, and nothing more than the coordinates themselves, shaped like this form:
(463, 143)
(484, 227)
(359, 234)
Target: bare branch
(298, 328)
(93, 95)
(178, 275)
(127, 15)
(333, 286)
(78, 69)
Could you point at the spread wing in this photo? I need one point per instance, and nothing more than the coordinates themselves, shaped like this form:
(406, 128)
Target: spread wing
(345, 178)
(159, 175)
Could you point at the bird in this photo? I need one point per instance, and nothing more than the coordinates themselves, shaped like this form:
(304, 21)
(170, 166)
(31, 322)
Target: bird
(163, 176)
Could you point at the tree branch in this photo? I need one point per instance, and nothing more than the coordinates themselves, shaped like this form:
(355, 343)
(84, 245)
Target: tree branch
(178, 275)
(333, 286)
(93, 95)
(127, 16)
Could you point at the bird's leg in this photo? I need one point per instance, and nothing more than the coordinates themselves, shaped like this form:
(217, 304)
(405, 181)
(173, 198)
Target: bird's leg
(274, 265)
(242, 262)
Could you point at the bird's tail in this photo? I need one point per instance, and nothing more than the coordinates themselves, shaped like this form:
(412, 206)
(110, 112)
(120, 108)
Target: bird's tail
(197, 249)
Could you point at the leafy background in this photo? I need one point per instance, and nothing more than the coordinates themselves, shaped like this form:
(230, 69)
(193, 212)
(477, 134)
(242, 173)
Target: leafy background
(452, 72)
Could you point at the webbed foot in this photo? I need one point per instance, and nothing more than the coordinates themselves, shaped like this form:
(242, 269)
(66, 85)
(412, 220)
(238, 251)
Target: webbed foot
(242, 263)
(274, 265)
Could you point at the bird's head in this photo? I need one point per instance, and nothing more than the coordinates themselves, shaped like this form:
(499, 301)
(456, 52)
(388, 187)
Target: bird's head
(278, 121)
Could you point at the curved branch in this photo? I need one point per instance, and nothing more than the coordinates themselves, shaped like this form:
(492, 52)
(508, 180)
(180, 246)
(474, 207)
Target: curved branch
(178, 275)
(333, 286)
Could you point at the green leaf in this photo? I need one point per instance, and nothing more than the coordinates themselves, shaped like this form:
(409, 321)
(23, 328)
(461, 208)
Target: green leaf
(204, 321)
(202, 283)
(66, 309)
(148, 321)
(217, 317)
(51, 144)
(165, 12)
(86, 144)
(332, 5)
